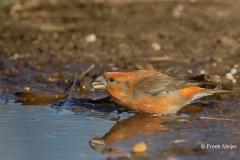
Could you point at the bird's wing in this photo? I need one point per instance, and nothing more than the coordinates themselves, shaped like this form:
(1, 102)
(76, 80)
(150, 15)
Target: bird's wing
(153, 84)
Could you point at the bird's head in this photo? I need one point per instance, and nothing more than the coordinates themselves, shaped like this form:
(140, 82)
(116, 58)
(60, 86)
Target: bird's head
(117, 84)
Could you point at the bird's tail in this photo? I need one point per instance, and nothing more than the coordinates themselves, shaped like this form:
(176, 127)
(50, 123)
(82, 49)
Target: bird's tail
(215, 91)
(207, 92)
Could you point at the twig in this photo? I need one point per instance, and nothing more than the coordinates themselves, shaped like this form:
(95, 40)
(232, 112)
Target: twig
(80, 76)
(74, 82)
(65, 104)
(86, 71)
(163, 58)
(220, 119)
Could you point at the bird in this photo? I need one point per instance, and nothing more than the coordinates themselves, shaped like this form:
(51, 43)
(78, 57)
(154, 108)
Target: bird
(151, 92)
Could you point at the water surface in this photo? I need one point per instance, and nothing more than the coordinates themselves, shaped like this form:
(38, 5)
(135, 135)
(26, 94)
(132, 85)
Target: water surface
(38, 132)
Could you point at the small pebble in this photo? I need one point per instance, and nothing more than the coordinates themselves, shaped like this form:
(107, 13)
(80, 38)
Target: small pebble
(178, 10)
(233, 71)
(15, 56)
(229, 76)
(214, 64)
(190, 71)
(202, 72)
(90, 38)
(219, 59)
(156, 46)
(179, 141)
(114, 68)
(26, 89)
(234, 81)
(139, 147)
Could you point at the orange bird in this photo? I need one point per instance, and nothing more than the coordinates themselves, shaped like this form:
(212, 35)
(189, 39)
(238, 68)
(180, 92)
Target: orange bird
(151, 92)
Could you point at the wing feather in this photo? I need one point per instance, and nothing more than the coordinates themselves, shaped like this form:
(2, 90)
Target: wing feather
(153, 84)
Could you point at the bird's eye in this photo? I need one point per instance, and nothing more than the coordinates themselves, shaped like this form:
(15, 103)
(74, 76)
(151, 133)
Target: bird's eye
(111, 79)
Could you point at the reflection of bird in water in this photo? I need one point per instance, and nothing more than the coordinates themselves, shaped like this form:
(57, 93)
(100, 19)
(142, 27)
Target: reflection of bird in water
(127, 129)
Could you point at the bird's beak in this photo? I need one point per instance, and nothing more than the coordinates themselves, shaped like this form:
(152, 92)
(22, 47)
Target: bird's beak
(99, 83)
(97, 144)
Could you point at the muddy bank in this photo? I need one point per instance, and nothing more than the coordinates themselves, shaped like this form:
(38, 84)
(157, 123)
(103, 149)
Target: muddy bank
(44, 43)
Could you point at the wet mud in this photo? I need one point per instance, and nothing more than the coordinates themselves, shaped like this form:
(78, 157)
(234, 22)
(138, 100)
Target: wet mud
(43, 44)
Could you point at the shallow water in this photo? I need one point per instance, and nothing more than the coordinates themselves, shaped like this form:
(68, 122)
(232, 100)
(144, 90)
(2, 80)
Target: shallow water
(38, 132)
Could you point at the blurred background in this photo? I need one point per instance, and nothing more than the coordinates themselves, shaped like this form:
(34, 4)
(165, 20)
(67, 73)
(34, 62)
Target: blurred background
(43, 42)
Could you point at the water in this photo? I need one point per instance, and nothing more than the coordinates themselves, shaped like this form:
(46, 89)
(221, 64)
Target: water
(41, 133)
(37, 132)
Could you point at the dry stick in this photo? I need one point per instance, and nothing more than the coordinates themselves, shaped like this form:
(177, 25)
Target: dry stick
(164, 58)
(221, 119)
(79, 77)
(86, 71)
(161, 58)
(69, 95)
(74, 82)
